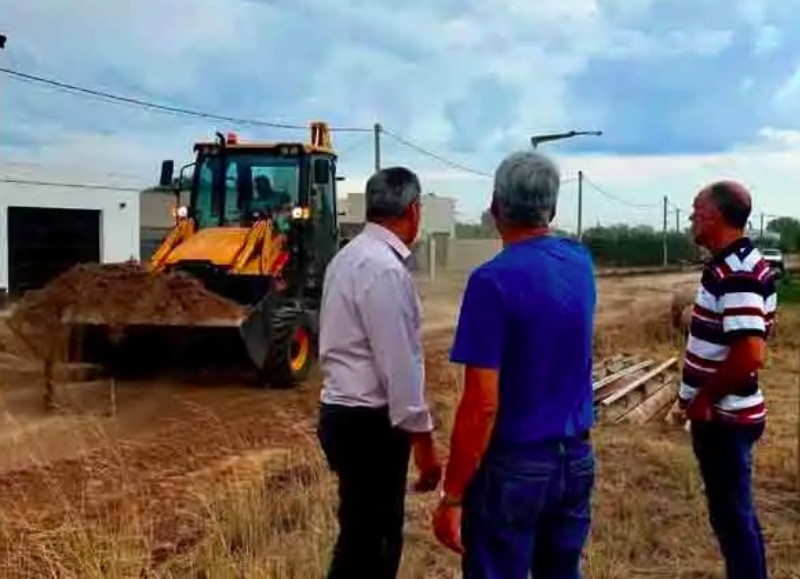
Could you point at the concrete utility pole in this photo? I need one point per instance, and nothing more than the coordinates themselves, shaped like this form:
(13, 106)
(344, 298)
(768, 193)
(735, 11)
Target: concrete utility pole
(678, 219)
(580, 205)
(664, 235)
(378, 130)
(536, 139)
(761, 238)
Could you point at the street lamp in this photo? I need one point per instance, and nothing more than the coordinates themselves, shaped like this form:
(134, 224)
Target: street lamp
(535, 140)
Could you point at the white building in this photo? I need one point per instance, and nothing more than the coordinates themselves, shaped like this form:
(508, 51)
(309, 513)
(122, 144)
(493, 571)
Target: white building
(438, 215)
(47, 227)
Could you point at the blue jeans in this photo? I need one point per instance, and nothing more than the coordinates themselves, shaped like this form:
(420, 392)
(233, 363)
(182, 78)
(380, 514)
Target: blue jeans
(528, 510)
(724, 453)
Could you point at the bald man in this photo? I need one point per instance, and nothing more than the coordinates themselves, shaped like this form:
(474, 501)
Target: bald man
(731, 320)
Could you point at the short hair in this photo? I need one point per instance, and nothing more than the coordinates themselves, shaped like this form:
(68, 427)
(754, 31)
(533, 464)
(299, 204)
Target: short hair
(732, 201)
(390, 192)
(526, 187)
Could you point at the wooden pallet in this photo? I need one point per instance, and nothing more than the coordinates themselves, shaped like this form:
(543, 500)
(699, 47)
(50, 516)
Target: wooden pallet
(634, 389)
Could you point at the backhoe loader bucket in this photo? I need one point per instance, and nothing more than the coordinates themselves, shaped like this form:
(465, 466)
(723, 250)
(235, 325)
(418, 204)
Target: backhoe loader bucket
(134, 320)
(141, 345)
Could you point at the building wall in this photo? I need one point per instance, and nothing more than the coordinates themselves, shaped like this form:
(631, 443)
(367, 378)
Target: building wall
(438, 213)
(455, 255)
(156, 209)
(352, 209)
(157, 218)
(119, 217)
(464, 255)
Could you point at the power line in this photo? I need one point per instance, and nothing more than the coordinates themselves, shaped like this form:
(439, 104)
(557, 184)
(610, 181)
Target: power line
(69, 185)
(174, 110)
(605, 193)
(353, 146)
(182, 111)
(433, 155)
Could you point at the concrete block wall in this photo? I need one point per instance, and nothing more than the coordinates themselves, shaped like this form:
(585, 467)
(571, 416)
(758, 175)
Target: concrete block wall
(456, 255)
(464, 255)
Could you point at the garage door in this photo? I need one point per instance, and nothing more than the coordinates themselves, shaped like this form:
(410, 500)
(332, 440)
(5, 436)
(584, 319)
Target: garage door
(44, 242)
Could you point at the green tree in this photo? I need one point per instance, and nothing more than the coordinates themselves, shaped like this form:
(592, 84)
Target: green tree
(623, 245)
(789, 230)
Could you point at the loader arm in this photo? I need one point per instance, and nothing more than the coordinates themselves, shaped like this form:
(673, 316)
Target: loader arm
(255, 237)
(182, 231)
(263, 252)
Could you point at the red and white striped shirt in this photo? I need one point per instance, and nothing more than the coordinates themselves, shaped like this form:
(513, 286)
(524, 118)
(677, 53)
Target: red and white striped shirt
(736, 298)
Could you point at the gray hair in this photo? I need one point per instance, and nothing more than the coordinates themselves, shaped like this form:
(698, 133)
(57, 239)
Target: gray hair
(390, 192)
(526, 188)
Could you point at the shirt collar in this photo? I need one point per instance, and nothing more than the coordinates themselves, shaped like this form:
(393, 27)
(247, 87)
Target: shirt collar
(389, 238)
(734, 247)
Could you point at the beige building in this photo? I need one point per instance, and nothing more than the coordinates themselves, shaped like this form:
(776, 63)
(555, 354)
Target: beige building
(438, 213)
(157, 217)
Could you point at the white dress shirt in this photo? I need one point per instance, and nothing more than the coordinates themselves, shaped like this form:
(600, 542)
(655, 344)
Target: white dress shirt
(370, 330)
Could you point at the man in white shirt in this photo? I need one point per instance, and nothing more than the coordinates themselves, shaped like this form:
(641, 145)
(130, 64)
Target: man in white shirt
(373, 408)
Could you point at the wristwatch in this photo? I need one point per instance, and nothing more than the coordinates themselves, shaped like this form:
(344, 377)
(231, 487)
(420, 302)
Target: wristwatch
(449, 500)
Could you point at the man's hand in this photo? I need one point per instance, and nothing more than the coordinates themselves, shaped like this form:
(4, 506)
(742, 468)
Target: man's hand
(447, 526)
(428, 465)
(701, 408)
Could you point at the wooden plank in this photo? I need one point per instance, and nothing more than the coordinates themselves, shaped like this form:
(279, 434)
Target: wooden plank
(645, 411)
(604, 367)
(637, 383)
(616, 386)
(674, 415)
(617, 375)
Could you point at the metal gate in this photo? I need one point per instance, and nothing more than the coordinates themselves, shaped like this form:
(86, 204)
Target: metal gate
(45, 242)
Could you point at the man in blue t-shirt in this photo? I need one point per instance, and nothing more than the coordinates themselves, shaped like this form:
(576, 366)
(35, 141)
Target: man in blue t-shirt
(521, 464)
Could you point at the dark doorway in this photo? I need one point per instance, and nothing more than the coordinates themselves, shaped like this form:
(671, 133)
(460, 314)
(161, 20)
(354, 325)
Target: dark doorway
(45, 242)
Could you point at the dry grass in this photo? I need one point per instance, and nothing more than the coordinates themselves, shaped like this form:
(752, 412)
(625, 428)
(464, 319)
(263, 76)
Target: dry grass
(279, 520)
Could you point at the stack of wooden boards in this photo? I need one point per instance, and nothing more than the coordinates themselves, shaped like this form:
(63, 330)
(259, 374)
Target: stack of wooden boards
(634, 389)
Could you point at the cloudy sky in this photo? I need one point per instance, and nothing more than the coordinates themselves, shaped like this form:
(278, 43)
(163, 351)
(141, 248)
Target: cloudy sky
(684, 91)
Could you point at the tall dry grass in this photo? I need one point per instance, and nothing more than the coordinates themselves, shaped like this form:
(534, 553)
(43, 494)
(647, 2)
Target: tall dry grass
(279, 521)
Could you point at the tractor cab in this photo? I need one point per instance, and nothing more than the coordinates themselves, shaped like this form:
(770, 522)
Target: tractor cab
(235, 186)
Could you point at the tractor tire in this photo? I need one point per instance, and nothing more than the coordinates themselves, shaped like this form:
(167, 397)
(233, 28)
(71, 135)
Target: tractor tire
(292, 353)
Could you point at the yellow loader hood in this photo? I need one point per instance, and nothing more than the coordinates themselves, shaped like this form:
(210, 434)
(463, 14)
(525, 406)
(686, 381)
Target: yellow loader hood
(219, 245)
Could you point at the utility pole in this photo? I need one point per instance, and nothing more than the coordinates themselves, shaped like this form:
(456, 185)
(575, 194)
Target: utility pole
(580, 205)
(378, 130)
(761, 234)
(677, 219)
(664, 235)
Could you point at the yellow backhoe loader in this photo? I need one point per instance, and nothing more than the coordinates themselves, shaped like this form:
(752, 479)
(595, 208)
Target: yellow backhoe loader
(259, 230)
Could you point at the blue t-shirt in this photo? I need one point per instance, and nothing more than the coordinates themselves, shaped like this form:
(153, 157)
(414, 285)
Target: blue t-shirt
(529, 313)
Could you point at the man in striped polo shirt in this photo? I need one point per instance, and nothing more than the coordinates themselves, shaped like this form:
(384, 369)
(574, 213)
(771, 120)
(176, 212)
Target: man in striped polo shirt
(731, 320)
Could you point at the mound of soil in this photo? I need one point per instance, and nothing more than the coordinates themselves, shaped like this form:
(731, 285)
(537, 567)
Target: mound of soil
(116, 295)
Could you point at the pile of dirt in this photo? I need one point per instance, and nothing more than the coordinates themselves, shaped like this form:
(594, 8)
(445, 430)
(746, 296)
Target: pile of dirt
(116, 295)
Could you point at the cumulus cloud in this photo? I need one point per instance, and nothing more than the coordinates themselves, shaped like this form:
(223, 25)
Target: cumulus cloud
(673, 88)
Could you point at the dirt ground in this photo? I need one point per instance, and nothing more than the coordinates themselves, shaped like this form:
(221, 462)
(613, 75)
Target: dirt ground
(172, 437)
(142, 407)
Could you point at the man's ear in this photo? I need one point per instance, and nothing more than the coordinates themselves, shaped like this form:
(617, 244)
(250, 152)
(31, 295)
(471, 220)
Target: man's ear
(494, 209)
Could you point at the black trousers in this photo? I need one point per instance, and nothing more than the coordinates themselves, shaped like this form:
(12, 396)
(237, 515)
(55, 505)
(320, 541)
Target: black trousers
(370, 459)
